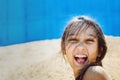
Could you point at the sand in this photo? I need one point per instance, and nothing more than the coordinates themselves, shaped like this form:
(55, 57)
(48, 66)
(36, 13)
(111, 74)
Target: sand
(42, 60)
(112, 60)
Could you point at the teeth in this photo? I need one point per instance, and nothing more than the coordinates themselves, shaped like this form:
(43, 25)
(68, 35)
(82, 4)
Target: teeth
(81, 56)
(81, 59)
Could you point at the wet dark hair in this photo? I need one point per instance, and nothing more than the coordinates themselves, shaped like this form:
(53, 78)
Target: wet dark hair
(76, 26)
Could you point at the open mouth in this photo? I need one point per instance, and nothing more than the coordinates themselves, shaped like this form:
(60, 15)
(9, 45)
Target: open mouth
(80, 59)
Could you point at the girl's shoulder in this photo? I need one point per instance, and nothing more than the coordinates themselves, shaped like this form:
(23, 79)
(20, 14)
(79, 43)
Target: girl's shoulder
(96, 73)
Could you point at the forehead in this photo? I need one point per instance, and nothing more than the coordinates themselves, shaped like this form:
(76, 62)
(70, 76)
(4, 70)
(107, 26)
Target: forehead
(88, 31)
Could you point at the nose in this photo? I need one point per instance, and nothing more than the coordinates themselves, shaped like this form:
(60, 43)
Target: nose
(81, 47)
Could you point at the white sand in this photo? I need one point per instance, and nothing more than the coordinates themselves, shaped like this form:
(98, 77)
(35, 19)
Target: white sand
(42, 60)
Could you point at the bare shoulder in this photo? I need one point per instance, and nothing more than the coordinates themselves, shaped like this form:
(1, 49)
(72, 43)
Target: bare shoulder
(96, 73)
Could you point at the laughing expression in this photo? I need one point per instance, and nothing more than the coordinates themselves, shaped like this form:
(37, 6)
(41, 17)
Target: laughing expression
(82, 49)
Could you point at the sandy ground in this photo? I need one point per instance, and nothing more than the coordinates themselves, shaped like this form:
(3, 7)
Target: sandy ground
(112, 60)
(42, 60)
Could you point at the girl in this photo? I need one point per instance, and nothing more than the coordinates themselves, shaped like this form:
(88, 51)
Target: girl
(84, 45)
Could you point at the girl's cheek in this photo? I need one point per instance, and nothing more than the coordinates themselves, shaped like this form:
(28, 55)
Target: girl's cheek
(70, 49)
(91, 46)
(69, 46)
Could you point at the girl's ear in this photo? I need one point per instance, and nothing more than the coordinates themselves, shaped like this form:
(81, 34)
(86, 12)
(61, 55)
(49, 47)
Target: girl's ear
(100, 52)
(98, 61)
(99, 55)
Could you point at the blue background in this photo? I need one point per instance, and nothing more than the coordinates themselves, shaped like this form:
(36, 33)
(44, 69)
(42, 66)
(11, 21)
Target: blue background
(30, 20)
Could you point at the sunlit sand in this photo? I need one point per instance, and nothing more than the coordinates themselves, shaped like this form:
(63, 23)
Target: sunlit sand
(42, 60)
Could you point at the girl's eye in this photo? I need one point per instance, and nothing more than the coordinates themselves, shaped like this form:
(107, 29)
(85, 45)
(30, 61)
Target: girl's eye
(73, 40)
(89, 41)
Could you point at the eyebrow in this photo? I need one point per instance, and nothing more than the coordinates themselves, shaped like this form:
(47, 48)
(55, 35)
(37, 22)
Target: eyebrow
(89, 34)
(92, 35)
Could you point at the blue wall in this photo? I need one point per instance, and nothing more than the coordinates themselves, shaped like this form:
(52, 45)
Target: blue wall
(30, 20)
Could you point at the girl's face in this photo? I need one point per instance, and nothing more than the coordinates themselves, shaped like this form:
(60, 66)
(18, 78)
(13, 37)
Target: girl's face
(82, 49)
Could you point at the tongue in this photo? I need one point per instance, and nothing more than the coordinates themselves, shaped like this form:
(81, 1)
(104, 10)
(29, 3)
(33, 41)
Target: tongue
(80, 60)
